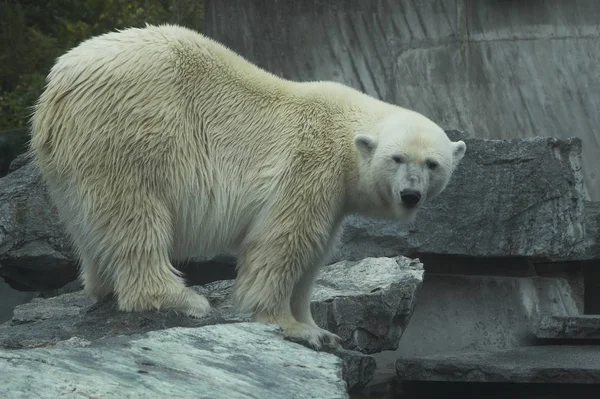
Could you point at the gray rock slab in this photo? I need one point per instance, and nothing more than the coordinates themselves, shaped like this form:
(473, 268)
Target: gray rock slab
(46, 323)
(35, 254)
(567, 327)
(241, 360)
(591, 247)
(20, 161)
(533, 364)
(368, 303)
(508, 198)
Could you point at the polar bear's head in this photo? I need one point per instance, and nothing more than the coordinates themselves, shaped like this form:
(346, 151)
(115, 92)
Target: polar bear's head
(405, 161)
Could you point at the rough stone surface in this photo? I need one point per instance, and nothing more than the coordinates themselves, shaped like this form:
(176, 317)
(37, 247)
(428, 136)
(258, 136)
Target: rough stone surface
(498, 69)
(521, 197)
(569, 327)
(535, 364)
(242, 360)
(591, 248)
(19, 162)
(351, 299)
(35, 254)
(368, 303)
(72, 318)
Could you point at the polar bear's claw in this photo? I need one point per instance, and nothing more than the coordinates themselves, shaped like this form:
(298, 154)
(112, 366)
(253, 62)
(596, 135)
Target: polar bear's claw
(311, 336)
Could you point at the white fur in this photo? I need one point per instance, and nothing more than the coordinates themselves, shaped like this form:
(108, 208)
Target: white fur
(159, 144)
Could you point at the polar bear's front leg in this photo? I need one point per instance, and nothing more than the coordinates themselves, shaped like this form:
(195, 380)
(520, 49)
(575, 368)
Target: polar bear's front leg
(302, 295)
(270, 267)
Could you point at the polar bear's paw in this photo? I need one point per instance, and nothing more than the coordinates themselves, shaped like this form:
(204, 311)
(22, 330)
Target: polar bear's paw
(311, 336)
(184, 301)
(193, 304)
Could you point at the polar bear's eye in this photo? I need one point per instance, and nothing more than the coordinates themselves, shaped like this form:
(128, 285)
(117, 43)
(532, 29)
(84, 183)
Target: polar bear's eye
(397, 159)
(432, 164)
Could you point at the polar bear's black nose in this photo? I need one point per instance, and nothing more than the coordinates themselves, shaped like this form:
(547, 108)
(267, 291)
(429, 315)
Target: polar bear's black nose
(410, 197)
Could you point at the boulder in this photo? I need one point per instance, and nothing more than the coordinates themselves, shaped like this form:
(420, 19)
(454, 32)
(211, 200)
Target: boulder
(576, 326)
(35, 253)
(239, 360)
(19, 162)
(368, 303)
(591, 250)
(507, 198)
(553, 364)
(71, 318)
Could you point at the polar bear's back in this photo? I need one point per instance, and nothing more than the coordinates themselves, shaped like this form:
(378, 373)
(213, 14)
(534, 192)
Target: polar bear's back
(158, 96)
(162, 113)
(153, 77)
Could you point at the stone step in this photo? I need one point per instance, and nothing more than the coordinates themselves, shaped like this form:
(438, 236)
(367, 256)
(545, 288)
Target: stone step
(554, 364)
(567, 327)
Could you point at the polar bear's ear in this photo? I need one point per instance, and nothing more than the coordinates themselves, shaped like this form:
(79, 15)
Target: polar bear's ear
(458, 151)
(366, 144)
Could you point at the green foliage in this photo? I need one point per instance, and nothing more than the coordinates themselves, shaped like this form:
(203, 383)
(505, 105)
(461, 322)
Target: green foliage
(34, 33)
(15, 105)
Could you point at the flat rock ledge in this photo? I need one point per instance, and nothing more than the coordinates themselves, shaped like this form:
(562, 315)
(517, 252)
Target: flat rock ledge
(566, 327)
(554, 364)
(241, 360)
(368, 303)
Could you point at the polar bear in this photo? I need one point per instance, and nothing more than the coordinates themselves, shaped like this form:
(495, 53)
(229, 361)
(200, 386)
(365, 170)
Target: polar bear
(159, 144)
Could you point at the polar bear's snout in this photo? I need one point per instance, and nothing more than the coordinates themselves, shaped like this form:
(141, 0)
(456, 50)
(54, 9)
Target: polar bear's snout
(410, 198)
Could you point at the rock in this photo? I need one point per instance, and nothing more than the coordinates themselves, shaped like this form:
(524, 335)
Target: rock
(45, 322)
(567, 327)
(241, 360)
(367, 303)
(19, 162)
(507, 198)
(72, 320)
(532, 364)
(358, 369)
(591, 249)
(35, 254)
